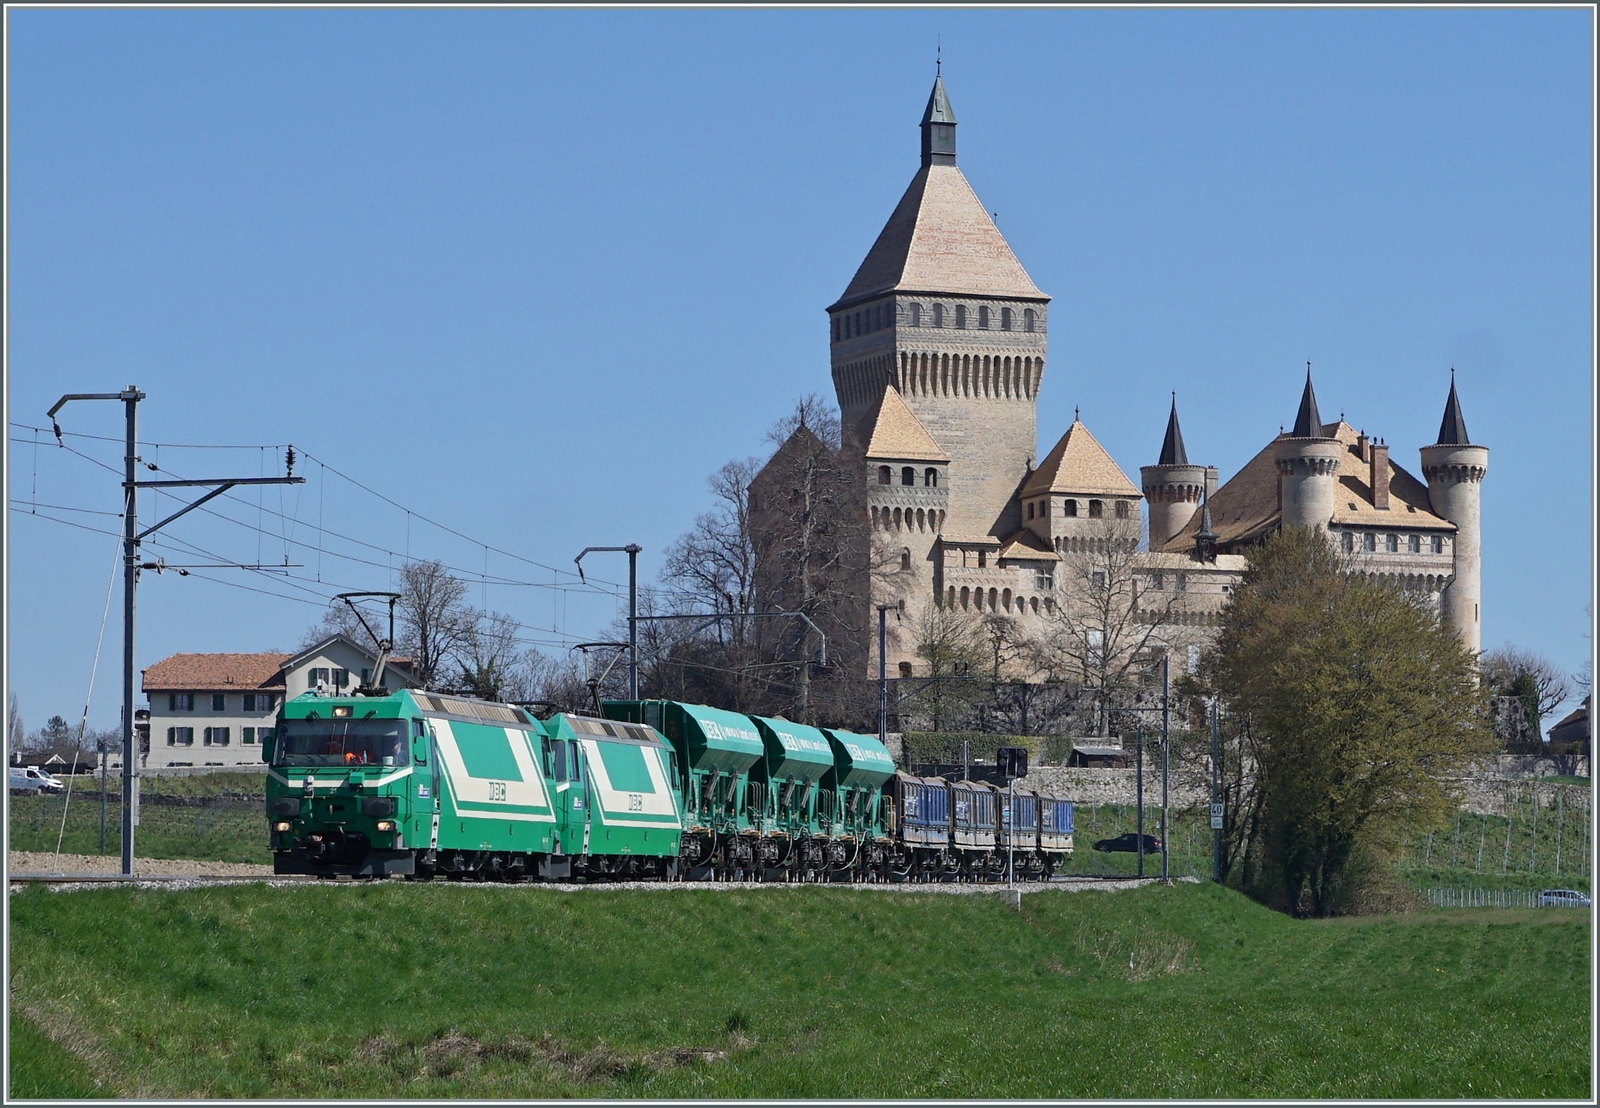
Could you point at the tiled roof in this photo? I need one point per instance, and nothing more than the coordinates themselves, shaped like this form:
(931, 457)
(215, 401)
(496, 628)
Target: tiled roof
(891, 430)
(216, 671)
(1025, 544)
(1079, 464)
(940, 239)
(1246, 508)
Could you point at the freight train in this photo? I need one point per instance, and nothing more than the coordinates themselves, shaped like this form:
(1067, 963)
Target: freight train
(425, 785)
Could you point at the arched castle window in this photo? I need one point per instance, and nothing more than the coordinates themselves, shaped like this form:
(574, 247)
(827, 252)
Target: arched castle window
(1034, 604)
(1438, 544)
(994, 598)
(961, 317)
(1414, 544)
(1072, 509)
(952, 601)
(1122, 509)
(1005, 600)
(1391, 543)
(922, 520)
(885, 476)
(1027, 319)
(1347, 541)
(905, 559)
(930, 478)
(1005, 319)
(1097, 509)
(966, 596)
(916, 315)
(938, 315)
(897, 519)
(983, 317)
(1368, 543)
(908, 476)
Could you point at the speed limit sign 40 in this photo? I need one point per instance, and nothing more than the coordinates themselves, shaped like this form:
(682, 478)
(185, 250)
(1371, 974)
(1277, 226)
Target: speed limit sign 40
(1216, 817)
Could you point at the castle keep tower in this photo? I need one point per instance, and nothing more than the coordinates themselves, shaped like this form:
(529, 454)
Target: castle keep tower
(941, 312)
(1172, 486)
(1455, 469)
(1308, 467)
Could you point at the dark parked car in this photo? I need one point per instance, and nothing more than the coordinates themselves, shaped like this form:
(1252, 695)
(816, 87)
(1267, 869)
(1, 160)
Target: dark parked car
(1129, 843)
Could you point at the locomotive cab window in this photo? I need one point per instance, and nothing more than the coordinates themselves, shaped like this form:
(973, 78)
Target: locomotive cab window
(342, 742)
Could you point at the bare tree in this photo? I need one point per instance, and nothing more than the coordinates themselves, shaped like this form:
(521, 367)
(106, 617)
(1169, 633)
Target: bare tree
(1106, 623)
(435, 622)
(15, 731)
(947, 640)
(711, 568)
(488, 654)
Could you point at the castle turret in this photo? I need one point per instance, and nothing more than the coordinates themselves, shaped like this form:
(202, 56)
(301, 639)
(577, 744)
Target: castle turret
(1455, 470)
(1172, 486)
(1308, 467)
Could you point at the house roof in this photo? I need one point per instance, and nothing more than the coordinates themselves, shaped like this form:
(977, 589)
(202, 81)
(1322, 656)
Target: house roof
(1246, 508)
(1079, 464)
(1572, 726)
(940, 239)
(1024, 544)
(216, 671)
(892, 431)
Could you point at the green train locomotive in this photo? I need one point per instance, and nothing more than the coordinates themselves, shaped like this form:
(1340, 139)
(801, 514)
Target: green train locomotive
(424, 784)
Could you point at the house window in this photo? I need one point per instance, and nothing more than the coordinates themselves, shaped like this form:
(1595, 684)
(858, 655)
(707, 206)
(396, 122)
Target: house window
(1347, 541)
(180, 736)
(938, 315)
(930, 478)
(258, 702)
(1097, 509)
(1368, 543)
(219, 702)
(315, 677)
(983, 318)
(908, 476)
(1122, 509)
(1391, 543)
(180, 702)
(366, 677)
(247, 735)
(214, 736)
(1438, 544)
(916, 315)
(1005, 319)
(1072, 508)
(341, 678)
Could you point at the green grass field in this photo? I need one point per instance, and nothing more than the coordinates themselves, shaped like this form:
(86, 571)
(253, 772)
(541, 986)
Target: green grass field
(231, 829)
(403, 990)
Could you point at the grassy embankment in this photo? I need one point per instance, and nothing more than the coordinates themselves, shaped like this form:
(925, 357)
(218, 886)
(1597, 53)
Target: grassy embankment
(227, 829)
(401, 990)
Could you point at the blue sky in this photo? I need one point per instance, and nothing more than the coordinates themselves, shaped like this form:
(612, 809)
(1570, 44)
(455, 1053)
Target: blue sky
(534, 274)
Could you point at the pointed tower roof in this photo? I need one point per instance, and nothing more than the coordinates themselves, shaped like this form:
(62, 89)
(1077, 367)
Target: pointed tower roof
(1079, 464)
(1308, 421)
(1453, 428)
(892, 430)
(1172, 452)
(940, 239)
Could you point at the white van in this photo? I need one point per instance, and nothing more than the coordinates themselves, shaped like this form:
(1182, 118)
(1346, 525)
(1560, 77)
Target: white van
(31, 780)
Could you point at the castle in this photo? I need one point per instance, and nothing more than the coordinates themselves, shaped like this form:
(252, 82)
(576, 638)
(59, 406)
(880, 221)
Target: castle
(938, 351)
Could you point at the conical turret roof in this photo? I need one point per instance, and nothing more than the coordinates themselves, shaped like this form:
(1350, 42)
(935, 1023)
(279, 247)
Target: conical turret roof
(1453, 428)
(1172, 452)
(1308, 421)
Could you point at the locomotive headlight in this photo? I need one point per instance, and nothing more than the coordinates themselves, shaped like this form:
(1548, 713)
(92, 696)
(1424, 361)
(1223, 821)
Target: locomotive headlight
(281, 825)
(386, 825)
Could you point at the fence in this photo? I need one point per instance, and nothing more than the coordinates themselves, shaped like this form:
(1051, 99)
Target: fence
(1482, 898)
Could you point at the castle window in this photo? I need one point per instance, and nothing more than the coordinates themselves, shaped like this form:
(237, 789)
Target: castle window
(1005, 599)
(1044, 509)
(908, 476)
(930, 478)
(1027, 319)
(835, 328)
(983, 559)
(1181, 582)
(1030, 509)
(983, 317)
(905, 559)
(993, 600)
(952, 601)
(1347, 541)
(916, 315)
(1043, 579)
(1097, 509)
(1391, 543)
(1156, 581)
(905, 669)
(1072, 508)
(966, 597)
(1122, 509)
(961, 317)
(885, 476)
(1097, 580)
(1438, 544)
(1414, 544)
(1034, 604)
(1368, 543)
(938, 315)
